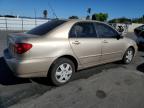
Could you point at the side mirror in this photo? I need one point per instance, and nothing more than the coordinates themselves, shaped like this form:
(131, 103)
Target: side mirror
(120, 36)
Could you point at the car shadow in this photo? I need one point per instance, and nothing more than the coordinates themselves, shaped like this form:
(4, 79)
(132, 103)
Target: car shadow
(43, 81)
(141, 49)
(140, 67)
(82, 74)
(6, 76)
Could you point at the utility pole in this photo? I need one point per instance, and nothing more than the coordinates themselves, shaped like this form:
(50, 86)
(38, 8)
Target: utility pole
(35, 16)
(53, 11)
(89, 13)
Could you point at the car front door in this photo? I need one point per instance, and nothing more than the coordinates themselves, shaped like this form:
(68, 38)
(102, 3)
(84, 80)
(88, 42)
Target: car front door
(112, 45)
(85, 44)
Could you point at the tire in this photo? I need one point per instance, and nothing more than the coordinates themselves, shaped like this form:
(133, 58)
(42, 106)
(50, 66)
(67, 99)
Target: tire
(61, 71)
(128, 56)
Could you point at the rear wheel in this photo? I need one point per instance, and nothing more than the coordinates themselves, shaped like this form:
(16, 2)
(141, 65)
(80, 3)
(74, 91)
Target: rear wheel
(128, 56)
(62, 71)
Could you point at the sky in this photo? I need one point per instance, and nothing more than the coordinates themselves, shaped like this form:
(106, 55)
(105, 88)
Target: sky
(66, 8)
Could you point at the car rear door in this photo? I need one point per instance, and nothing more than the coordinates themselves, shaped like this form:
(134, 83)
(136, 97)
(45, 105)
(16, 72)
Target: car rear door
(112, 46)
(85, 44)
(140, 39)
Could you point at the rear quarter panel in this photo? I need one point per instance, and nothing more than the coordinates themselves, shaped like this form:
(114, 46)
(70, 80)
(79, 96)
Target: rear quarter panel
(49, 48)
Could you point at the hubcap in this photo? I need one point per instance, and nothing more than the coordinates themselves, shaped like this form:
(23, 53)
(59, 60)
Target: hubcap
(129, 56)
(63, 73)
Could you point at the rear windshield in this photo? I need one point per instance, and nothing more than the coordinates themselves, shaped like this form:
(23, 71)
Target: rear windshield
(141, 27)
(46, 27)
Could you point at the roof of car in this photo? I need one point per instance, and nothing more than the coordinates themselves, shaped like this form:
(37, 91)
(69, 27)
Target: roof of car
(79, 20)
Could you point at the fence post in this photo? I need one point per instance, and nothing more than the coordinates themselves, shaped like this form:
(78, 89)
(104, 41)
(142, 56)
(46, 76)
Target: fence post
(35, 22)
(22, 24)
(6, 24)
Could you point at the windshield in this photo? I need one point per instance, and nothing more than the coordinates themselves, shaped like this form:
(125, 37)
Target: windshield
(141, 27)
(46, 27)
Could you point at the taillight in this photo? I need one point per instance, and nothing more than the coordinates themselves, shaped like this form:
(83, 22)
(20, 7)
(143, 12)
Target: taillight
(21, 48)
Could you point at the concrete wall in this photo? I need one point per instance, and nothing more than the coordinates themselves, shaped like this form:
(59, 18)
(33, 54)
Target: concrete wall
(19, 23)
(133, 26)
(126, 27)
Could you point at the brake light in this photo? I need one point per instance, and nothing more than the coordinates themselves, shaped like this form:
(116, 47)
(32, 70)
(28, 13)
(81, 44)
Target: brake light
(21, 48)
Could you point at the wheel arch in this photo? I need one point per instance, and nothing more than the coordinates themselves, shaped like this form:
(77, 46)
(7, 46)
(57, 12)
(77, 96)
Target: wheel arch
(132, 48)
(73, 59)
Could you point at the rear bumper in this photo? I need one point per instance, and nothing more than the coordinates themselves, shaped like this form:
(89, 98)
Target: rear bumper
(28, 68)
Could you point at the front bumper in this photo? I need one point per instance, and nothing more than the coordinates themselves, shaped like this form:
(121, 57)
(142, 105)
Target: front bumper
(28, 68)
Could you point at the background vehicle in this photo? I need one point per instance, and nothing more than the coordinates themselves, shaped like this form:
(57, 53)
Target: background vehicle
(59, 48)
(139, 31)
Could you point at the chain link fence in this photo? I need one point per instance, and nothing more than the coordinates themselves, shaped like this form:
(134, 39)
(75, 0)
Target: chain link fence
(14, 25)
(19, 24)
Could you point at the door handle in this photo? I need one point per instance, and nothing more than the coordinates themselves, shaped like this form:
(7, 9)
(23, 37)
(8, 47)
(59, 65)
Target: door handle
(76, 42)
(105, 41)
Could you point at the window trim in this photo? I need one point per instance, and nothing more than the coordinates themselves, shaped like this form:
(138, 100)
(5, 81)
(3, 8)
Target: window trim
(69, 36)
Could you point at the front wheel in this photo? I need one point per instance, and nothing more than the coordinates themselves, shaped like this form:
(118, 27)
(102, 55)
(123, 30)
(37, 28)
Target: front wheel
(128, 56)
(62, 71)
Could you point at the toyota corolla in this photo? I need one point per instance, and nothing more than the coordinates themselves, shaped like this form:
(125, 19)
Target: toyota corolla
(58, 48)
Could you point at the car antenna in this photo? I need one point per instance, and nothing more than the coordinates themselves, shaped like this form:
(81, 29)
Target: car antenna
(50, 6)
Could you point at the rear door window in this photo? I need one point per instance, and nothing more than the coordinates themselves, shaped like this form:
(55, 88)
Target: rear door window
(83, 30)
(45, 28)
(141, 27)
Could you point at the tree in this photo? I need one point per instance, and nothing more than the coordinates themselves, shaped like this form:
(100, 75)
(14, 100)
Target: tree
(138, 20)
(45, 13)
(120, 20)
(100, 16)
(73, 17)
(10, 16)
(127, 20)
